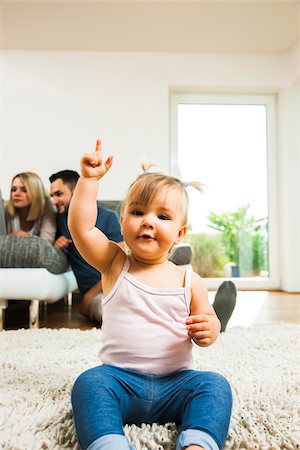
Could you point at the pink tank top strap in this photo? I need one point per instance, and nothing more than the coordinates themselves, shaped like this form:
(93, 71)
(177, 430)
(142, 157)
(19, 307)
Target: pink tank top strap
(120, 278)
(187, 286)
(126, 266)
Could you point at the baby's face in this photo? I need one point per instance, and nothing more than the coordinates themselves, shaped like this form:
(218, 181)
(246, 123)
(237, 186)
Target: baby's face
(151, 230)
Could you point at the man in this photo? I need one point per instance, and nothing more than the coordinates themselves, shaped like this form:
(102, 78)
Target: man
(88, 279)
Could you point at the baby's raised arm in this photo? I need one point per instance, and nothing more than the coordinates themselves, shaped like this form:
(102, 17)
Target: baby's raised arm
(91, 243)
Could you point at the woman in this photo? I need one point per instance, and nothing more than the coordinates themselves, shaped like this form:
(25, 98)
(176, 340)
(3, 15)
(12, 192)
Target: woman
(29, 211)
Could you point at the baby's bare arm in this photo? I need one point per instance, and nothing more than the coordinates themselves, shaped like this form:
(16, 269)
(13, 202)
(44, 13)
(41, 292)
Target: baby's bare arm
(203, 324)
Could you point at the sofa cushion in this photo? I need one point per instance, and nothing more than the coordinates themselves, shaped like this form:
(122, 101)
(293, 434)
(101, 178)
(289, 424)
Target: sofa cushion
(181, 255)
(31, 251)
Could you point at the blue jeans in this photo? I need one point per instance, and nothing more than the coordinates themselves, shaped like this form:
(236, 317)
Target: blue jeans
(106, 397)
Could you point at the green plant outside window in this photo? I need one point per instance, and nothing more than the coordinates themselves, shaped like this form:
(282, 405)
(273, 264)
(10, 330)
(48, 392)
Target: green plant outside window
(241, 240)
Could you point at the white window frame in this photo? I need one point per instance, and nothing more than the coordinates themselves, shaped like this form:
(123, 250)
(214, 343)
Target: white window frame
(269, 100)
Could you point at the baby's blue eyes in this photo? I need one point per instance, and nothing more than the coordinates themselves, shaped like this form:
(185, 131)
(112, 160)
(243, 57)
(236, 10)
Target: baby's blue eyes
(163, 217)
(138, 212)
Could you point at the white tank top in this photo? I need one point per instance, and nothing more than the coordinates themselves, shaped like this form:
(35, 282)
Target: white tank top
(144, 327)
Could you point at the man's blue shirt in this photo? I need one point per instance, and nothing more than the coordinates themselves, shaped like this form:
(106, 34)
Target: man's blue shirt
(108, 222)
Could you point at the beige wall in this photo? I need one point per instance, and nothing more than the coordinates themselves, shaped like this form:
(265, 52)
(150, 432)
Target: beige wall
(196, 26)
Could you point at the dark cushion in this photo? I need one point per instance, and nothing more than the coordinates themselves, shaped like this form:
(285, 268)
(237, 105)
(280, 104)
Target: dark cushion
(31, 251)
(181, 254)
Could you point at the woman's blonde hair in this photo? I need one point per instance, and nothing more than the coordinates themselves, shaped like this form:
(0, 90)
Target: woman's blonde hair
(147, 185)
(36, 193)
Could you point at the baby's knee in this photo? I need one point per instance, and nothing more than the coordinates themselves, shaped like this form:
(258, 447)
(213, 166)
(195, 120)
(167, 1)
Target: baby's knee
(219, 380)
(220, 385)
(214, 384)
(86, 383)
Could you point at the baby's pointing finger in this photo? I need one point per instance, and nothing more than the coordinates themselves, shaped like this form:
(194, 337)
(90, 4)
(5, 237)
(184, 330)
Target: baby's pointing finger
(98, 145)
(97, 155)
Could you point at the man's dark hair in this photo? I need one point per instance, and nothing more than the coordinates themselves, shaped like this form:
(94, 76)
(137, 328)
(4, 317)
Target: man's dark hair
(69, 177)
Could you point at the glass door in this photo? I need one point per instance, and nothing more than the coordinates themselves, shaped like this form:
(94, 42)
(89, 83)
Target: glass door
(227, 143)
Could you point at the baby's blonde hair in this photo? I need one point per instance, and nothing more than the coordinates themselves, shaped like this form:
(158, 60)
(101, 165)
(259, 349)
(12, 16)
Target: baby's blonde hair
(36, 193)
(147, 185)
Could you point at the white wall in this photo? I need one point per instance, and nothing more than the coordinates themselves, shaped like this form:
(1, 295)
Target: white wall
(1, 95)
(288, 173)
(56, 104)
(289, 188)
(1, 116)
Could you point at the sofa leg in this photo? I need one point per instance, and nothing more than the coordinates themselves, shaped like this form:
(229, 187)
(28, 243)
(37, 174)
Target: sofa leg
(68, 299)
(34, 314)
(3, 306)
(1, 318)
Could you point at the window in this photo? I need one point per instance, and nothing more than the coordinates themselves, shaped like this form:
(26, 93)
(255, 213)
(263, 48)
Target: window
(227, 143)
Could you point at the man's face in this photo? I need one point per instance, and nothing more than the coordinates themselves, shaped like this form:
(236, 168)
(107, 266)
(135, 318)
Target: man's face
(61, 195)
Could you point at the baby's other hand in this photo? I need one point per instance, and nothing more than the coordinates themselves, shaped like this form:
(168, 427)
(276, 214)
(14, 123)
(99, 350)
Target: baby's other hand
(92, 164)
(203, 328)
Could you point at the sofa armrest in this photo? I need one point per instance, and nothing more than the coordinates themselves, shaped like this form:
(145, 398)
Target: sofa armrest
(31, 252)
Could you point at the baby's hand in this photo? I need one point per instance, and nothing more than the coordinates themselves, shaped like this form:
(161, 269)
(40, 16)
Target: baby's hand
(203, 328)
(92, 164)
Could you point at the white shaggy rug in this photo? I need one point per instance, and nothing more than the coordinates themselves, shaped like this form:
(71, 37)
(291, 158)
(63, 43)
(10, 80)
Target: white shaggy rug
(38, 369)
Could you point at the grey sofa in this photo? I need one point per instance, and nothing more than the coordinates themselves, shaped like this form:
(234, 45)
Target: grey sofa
(32, 269)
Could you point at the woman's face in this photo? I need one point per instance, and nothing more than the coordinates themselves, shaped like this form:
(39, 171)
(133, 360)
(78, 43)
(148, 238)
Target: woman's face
(19, 194)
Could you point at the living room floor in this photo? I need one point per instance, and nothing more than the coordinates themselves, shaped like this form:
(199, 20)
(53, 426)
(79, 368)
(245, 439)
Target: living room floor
(252, 307)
